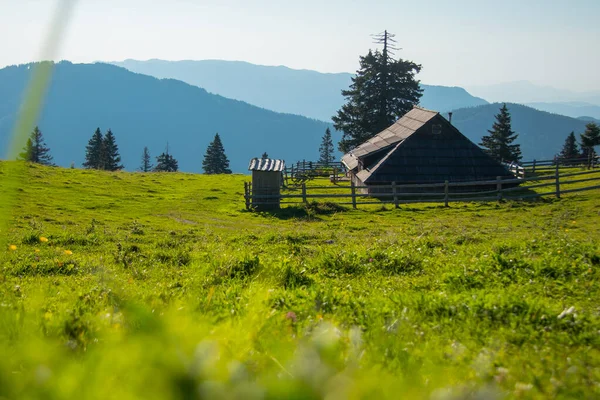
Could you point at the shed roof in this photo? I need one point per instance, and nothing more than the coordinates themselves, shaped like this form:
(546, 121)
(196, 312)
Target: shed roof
(399, 131)
(266, 164)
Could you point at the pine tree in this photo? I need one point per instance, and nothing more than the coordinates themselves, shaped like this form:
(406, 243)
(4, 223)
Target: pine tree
(94, 151)
(35, 149)
(589, 139)
(265, 155)
(111, 157)
(570, 152)
(498, 144)
(326, 150)
(166, 162)
(215, 161)
(146, 165)
(382, 91)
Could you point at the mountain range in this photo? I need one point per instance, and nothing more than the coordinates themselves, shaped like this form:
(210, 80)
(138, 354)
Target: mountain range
(144, 111)
(282, 89)
(319, 95)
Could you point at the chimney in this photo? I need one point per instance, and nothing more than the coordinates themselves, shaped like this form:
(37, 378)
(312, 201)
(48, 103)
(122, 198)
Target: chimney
(450, 117)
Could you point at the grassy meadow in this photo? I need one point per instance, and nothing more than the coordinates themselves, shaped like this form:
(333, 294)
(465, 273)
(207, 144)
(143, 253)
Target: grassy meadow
(131, 285)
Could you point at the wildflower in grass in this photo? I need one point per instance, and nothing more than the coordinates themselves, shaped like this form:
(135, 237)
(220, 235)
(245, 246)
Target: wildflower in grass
(291, 315)
(573, 222)
(68, 252)
(43, 239)
(12, 247)
(37, 250)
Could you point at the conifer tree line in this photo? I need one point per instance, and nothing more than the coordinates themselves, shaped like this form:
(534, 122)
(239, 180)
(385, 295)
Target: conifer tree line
(102, 152)
(36, 150)
(165, 162)
(326, 150)
(383, 90)
(215, 161)
(573, 153)
(499, 143)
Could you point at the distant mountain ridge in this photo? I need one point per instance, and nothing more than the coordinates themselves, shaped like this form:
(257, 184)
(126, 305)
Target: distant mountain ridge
(525, 92)
(145, 111)
(570, 109)
(541, 134)
(282, 89)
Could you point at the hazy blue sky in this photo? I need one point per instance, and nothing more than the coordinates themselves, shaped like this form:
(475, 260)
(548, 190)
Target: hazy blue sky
(458, 42)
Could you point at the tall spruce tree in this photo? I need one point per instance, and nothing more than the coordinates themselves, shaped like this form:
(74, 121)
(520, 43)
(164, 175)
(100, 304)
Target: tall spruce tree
(166, 162)
(383, 90)
(570, 151)
(146, 165)
(326, 150)
(215, 161)
(589, 139)
(111, 157)
(498, 144)
(36, 150)
(264, 155)
(94, 151)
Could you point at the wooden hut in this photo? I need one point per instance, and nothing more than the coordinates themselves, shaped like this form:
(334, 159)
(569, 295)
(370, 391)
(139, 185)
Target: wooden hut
(267, 179)
(421, 147)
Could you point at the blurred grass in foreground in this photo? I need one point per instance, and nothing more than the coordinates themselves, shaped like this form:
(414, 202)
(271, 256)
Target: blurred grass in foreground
(164, 287)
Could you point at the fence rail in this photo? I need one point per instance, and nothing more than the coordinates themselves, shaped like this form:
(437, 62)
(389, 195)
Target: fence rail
(447, 192)
(536, 166)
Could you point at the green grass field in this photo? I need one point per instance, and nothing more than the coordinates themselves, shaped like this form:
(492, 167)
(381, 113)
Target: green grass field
(131, 285)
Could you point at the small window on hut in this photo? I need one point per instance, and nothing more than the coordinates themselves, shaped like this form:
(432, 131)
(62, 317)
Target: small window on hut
(436, 129)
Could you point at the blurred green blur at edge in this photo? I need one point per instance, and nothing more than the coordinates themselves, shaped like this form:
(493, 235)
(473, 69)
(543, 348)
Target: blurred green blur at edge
(12, 174)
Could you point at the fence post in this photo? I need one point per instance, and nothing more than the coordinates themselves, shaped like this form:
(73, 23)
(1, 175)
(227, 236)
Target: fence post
(533, 169)
(353, 190)
(304, 193)
(395, 194)
(499, 188)
(446, 194)
(557, 183)
(334, 175)
(303, 165)
(247, 195)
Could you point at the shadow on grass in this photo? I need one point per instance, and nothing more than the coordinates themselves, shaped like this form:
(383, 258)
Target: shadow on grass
(523, 197)
(310, 211)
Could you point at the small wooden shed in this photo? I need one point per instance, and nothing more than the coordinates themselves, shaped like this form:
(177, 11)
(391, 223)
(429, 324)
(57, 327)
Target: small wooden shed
(267, 179)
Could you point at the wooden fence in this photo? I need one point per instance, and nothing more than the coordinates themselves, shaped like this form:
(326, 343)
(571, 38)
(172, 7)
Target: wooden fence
(537, 166)
(301, 171)
(445, 193)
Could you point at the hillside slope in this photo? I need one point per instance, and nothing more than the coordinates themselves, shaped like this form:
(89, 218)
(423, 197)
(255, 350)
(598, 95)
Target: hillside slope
(541, 134)
(145, 111)
(167, 283)
(304, 92)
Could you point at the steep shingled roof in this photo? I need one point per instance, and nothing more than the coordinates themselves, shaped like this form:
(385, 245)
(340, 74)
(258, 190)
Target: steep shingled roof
(399, 131)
